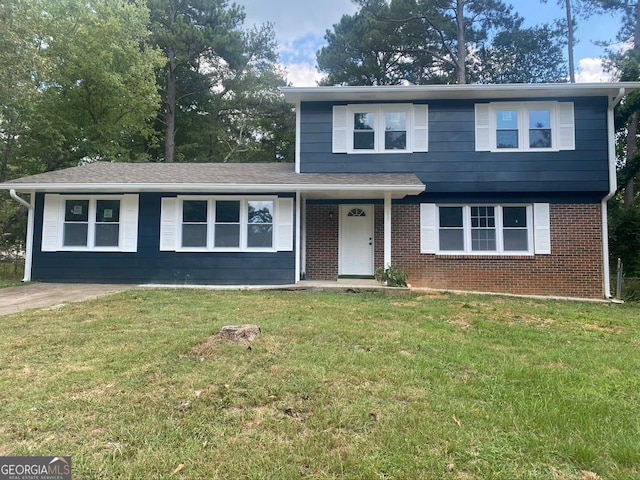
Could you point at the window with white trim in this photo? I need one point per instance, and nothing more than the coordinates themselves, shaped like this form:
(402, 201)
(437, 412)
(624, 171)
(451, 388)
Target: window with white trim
(386, 128)
(198, 223)
(525, 126)
(483, 229)
(96, 223)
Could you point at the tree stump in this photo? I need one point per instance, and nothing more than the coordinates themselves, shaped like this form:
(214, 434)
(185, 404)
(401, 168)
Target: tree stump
(240, 334)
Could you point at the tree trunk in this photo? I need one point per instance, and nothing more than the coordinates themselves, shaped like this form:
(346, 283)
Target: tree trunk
(8, 151)
(462, 47)
(632, 128)
(170, 113)
(570, 44)
(632, 149)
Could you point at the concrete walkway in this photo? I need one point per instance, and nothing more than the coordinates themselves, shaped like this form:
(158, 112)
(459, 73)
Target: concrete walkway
(41, 295)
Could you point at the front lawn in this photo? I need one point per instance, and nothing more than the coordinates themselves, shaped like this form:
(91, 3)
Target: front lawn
(338, 386)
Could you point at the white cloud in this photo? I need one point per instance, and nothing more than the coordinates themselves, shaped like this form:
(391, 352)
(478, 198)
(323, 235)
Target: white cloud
(302, 75)
(591, 70)
(293, 19)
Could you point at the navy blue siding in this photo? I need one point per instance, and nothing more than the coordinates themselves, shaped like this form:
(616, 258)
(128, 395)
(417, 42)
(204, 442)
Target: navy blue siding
(150, 265)
(452, 164)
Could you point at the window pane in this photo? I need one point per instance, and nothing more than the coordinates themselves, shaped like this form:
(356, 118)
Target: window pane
(261, 212)
(540, 119)
(450, 216)
(507, 139)
(363, 140)
(507, 129)
(227, 211)
(507, 120)
(259, 235)
(107, 235)
(483, 233)
(76, 211)
(539, 129)
(396, 121)
(451, 239)
(194, 211)
(227, 235)
(194, 235)
(516, 240)
(395, 140)
(364, 121)
(539, 138)
(75, 234)
(108, 211)
(515, 217)
(483, 239)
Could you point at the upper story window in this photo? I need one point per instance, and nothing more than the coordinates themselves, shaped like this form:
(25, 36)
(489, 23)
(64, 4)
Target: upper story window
(100, 223)
(386, 128)
(199, 223)
(524, 126)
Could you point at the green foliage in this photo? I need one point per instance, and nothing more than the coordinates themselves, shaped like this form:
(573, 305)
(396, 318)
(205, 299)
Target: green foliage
(523, 55)
(406, 41)
(624, 235)
(220, 85)
(391, 276)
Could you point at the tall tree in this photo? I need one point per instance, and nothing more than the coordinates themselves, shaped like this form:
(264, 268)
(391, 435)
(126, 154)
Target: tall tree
(77, 83)
(523, 55)
(428, 41)
(217, 77)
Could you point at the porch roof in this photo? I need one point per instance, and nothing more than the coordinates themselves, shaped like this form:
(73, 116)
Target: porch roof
(229, 178)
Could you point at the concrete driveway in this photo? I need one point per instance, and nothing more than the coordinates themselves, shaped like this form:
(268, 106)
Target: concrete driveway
(41, 295)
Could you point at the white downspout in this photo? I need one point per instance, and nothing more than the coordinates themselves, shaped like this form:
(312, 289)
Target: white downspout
(613, 186)
(28, 256)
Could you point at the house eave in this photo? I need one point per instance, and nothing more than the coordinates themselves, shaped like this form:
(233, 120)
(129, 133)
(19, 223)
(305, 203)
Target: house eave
(446, 92)
(311, 191)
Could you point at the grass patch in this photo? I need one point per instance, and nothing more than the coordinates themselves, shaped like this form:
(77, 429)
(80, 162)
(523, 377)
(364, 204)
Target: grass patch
(337, 386)
(11, 273)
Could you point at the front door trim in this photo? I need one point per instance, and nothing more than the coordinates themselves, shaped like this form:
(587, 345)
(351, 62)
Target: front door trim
(356, 240)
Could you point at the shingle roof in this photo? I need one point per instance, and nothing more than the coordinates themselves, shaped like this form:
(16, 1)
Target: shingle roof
(205, 177)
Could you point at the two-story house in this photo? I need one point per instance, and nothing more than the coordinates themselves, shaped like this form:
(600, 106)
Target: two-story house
(499, 188)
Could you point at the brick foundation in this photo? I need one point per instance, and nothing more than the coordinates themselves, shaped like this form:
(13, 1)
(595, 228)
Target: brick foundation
(573, 269)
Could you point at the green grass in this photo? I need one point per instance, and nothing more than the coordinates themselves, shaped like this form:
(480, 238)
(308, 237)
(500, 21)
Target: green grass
(337, 386)
(11, 273)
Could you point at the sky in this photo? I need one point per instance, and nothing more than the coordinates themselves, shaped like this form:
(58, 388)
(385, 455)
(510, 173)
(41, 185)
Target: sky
(300, 26)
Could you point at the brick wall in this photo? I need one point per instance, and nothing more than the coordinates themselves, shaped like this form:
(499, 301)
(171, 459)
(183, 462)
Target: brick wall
(573, 269)
(322, 242)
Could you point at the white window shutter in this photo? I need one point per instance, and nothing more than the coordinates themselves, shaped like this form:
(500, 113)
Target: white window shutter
(566, 126)
(51, 222)
(428, 228)
(284, 227)
(339, 144)
(542, 228)
(420, 128)
(483, 127)
(129, 222)
(169, 223)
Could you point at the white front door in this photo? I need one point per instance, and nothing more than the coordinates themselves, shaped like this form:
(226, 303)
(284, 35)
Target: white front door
(356, 240)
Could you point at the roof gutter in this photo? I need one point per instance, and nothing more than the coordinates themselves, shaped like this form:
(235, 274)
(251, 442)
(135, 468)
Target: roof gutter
(28, 257)
(613, 186)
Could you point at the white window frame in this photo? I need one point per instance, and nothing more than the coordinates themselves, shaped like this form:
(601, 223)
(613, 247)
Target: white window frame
(562, 125)
(467, 229)
(417, 127)
(54, 223)
(244, 219)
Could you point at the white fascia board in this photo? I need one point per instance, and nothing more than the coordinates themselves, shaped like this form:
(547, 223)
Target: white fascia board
(410, 189)
(475, 92)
